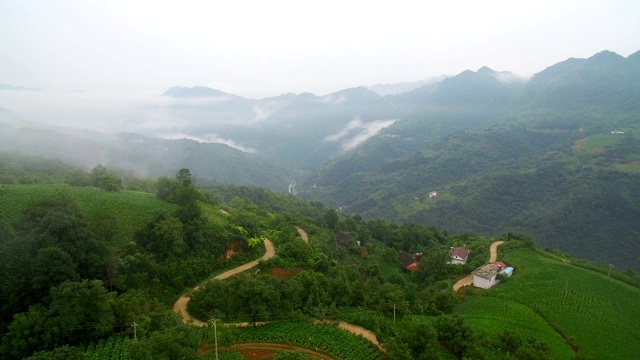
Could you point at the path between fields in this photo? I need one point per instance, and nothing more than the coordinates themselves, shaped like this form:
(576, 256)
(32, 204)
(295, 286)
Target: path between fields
(468, 280)
(180, 307)
(359, 330)
(303, 234)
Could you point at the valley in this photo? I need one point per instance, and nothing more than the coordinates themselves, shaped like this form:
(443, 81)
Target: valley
(317, 220)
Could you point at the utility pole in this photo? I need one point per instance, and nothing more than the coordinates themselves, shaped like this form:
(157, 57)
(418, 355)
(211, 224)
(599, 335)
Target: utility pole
(135, 333)
(215, 336)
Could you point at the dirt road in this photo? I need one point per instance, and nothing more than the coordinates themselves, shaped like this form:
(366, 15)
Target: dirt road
(494, 250)
(465, 281)
(359, 330)
(303, 234)
(180, 306)
(468, 280)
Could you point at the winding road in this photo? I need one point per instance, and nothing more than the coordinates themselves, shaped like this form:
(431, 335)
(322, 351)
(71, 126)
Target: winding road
(468, 280)
(180, 306)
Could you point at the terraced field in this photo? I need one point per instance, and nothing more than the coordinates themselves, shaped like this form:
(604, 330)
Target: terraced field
(599, 315)
(493, 316)
(128, 210)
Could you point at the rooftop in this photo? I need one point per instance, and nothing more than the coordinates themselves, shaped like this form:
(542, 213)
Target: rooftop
(486, 271)
(460, 252)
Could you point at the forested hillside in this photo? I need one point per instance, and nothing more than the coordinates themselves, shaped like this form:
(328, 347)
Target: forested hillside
(79, 265)
(555, 158)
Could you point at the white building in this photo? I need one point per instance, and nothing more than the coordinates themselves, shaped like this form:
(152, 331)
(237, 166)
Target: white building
(486, 276)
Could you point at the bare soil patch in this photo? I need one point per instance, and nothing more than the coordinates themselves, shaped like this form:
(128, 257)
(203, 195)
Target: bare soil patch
(252, 350)
(284, 274)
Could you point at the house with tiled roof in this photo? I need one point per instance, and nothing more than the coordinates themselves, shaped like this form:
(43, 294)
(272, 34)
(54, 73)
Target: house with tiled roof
(459, 255)
(410, 261)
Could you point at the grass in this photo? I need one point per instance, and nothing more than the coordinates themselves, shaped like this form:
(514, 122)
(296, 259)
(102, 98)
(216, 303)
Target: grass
(631, 167)
(597, 143)
(495, 316)
(128, 210)
(598, 314)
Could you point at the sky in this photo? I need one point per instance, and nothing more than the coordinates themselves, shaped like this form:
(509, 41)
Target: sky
(266, 48)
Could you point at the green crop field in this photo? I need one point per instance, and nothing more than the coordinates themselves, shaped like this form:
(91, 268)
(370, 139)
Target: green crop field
(129, 210)
(325, 338)
(597, 314)
(596, 143)
(493, 316)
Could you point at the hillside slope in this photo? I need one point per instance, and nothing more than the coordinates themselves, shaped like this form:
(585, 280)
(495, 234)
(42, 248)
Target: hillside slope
(555, 158)
(211, 163)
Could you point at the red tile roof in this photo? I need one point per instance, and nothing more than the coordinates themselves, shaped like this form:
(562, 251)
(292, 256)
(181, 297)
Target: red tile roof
(460, 252)
(501, 264)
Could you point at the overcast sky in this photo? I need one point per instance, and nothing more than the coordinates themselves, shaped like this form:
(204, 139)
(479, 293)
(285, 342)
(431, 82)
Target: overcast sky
(265, 48)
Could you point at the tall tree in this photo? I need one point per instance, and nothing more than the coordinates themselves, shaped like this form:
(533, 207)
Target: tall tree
(83, 310)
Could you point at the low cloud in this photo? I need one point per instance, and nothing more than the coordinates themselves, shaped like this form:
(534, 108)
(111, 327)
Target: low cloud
(356, 132)
(210, 138)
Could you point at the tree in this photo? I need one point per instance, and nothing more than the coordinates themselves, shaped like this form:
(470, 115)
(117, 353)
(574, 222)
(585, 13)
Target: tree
(52, 267)
(25, 334)
(509, 341)
(102, 178)
(331, 219)
(167, 189)
(454, 333)
(77, 177)
(257, 298)
(398, 350)
(184, 177)
(163, 237)
(83, 310)
(421, 339)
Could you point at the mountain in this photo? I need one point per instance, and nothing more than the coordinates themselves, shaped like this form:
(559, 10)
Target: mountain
(211, 163)
(195, 91)
(555, 157)
(568, 137)
(295, 130)
(399, 88)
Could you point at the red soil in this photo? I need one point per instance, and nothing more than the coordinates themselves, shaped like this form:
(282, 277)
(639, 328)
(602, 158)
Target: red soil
(284, 274)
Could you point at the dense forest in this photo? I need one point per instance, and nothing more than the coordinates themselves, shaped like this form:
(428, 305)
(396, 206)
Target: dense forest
(86, 255)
